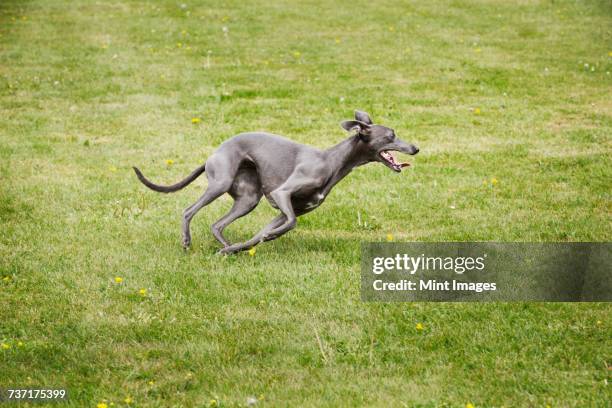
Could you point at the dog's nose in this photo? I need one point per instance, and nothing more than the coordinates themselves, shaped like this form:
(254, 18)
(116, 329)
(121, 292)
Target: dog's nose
(416, 149)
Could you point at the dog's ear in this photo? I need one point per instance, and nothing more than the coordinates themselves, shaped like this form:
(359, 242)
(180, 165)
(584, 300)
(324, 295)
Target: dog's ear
(363, 117)
(362, 128)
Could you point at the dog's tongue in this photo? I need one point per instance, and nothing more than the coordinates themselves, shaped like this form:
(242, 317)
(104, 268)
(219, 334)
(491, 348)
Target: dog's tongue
(390, 158)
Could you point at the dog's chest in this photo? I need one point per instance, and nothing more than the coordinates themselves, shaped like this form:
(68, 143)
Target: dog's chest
(302, 203)
(312, 202)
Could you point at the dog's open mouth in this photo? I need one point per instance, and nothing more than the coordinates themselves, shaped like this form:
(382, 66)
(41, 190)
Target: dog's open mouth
(391, 162)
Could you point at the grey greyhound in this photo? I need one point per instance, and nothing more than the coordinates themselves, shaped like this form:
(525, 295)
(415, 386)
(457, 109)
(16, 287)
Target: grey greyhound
(294, 178)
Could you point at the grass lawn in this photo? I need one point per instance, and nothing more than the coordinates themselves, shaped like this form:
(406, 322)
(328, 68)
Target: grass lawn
(508, 101)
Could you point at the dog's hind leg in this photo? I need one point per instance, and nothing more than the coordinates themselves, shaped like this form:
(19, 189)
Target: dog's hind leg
(220, 173)
(212, 192)
(242, 206)
(246, 191)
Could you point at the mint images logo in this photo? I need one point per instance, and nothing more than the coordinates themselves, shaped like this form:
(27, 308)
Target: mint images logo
(486, 271)
(413, 264)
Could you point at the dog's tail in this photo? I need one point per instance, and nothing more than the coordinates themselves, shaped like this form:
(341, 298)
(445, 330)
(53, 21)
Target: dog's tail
(174, 187)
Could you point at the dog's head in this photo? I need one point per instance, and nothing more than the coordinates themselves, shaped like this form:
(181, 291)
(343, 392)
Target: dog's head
(379, 141)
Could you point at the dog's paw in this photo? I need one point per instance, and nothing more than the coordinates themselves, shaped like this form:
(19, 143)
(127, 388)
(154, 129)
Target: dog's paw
(228, 250)
(186, 243)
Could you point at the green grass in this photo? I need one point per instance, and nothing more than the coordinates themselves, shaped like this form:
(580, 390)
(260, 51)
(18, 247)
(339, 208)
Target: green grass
(487, 89)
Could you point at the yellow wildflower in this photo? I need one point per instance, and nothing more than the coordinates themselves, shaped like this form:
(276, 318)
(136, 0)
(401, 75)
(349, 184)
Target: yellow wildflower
(252, 251)
(128, 400)
(195, 120)
(389, 237)
(118, 279)
(297, 54)
(169, 162)
(469, 405)
(143, 292)
(102, 405)
(20, 344)
(5, 346)
(476, 111)
(419, 326)
(494, 181)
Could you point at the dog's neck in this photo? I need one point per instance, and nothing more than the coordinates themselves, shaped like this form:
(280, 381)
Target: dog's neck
(343, 158)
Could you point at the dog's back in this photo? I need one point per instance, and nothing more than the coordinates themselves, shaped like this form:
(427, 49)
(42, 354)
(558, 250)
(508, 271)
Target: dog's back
(274, 156)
